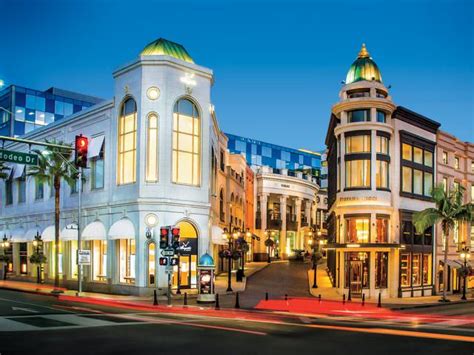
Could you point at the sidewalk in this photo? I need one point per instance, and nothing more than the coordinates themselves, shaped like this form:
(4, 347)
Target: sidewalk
(328, 292)
(250, 269)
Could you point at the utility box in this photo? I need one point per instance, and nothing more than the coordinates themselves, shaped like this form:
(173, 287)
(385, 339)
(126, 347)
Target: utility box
(206, 281)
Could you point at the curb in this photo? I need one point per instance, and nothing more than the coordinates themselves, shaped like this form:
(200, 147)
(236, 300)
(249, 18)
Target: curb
(35, 292)
(430, 305)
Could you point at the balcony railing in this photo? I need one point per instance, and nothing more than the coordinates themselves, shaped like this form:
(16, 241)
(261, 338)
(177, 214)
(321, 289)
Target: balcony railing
(273, 220)
(291, 222)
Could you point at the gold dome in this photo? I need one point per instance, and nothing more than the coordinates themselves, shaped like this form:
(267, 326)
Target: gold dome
(363, 68)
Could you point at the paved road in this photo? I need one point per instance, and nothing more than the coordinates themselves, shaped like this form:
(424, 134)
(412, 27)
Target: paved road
(278, 279)
(44, 325)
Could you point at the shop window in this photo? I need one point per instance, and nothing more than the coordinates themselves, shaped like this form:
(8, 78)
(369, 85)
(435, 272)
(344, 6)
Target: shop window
(152, 148)
(416, 270)
(127, 143)
(186, 272)
(358, 144)
(186, 143)
(99, 262)
(427, 267)
(357, 271)
(382, 229)
(23, 258)
(357, 229)
(126, 260)
(151, 264)
(358, 116)
(381, 270)
(73, 259)
(358, 173)
(405, 270)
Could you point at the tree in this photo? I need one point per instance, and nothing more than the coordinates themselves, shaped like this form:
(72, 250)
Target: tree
(449, 210)
(4, 169)
(53, 166)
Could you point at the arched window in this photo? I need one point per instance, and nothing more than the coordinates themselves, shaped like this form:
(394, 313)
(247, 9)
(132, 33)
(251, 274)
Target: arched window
(186, 143)
(151, 264)
(221, 206)
(152, 148)
(127, 143)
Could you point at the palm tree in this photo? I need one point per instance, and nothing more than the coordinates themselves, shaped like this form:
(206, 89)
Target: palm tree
(3, 170)
(53, 166)
(449, 210)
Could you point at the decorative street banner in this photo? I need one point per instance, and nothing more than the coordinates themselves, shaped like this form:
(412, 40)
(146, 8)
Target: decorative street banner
(18, 157)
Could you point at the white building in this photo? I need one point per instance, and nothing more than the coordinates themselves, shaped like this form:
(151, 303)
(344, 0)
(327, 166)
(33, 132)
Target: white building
(149, 159)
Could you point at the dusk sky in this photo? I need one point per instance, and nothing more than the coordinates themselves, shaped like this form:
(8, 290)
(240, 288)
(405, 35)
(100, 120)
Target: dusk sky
(278, 65)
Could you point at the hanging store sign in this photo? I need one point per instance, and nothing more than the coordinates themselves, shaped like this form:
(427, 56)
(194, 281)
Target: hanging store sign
(187, 246)
(18, 157)
(83, 257)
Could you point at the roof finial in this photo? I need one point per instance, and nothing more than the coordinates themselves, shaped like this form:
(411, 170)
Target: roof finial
(363, 53)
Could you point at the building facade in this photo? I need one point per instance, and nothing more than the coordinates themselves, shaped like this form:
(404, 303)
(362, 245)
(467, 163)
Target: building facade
(22, 110)
(381, 170)
(455, 168)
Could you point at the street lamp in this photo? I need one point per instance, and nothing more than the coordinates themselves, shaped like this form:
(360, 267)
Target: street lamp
(38, 243)
(315, 245)
(465, 254)
(230, 253)
(5, 246)
(269, 243)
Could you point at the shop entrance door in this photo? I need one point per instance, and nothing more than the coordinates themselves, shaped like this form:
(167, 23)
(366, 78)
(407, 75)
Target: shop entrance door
(355, 277)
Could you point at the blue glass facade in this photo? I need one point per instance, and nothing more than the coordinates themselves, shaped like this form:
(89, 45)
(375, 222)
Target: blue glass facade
(32, 109)
(259, 153)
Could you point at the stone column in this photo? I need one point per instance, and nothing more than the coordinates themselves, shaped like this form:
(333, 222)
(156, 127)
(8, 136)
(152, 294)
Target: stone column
(307, 212)
(283, 252)
(373, 114)
(299, 240)
(263, 210)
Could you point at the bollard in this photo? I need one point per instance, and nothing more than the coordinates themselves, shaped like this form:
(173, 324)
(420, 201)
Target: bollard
(155, 298)
(343, 298)
(286, 297)
(363, 299)
(266, 296)
(185, 301)
(237, 303)
(319, 298)
(349, 295)
(217, 302)
(379, 303)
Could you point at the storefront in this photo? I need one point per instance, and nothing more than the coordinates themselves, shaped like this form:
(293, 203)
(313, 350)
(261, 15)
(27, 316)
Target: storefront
(185, 273)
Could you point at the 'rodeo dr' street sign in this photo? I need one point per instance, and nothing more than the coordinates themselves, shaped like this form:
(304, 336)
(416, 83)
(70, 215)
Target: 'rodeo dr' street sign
(18, 157)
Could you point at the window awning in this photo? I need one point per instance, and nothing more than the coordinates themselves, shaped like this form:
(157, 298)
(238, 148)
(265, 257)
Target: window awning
(69, 232)
(31, 233)
(18, 171)
(94, 231)
(216, 236)
(48, 234)
(18, 235)
(95, 146)
(122, 229)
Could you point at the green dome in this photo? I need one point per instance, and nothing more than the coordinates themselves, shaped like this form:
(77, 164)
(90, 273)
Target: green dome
(363, 68)
(206, 260)
(164, 47)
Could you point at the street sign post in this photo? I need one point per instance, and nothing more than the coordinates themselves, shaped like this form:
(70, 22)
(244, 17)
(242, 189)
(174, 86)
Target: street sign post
(83, 257)
(18, 157)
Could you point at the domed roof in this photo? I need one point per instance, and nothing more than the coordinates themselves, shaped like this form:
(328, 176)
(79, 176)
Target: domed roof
(206, 260)
(363, 68)
(164, 47)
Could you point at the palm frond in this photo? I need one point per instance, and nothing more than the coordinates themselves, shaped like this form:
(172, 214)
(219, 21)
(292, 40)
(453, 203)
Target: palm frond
(426, 218)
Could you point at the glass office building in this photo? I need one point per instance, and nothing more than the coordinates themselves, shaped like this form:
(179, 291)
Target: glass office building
(22, 110)
(260, 153)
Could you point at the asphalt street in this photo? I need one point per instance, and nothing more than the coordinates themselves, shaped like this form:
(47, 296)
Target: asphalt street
(45, 325)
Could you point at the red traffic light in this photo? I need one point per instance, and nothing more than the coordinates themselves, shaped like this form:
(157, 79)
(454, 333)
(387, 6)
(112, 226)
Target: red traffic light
(164, 231)
(81, 146)
(175, 231)
(163, 261)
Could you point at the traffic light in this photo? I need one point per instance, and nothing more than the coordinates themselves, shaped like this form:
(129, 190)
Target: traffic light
(175, 236)
(174, 261)
(164, 233)
(81, 146)
(163, 261)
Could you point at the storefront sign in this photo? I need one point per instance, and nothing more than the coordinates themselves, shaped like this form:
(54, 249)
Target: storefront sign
(187, 246)
(18, 157)
(285, 185)
(366, 198)
(83, 257)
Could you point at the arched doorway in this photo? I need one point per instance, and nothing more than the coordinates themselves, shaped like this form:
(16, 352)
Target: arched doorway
(185, 273)
(151, 264)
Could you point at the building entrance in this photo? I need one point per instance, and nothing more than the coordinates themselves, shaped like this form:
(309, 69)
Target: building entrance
(355, 277)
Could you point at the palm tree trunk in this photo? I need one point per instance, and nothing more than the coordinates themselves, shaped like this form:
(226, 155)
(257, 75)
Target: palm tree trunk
(57, 186)
(445, 266)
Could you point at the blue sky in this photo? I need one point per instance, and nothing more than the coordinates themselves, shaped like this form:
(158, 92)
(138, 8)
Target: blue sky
(278, 65)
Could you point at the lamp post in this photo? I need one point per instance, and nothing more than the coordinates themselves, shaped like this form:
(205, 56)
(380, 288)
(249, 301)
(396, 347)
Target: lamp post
(5, 245)
(38, 243)
(269, 243)
(314, 243)
(465, 254)
(229, 253)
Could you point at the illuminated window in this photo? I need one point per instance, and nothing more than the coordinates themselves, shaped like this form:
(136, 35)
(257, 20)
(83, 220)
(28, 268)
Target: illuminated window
(381, 176)
(428, 158)
(357, 230)
(381, 269)
(127, 143)
(99, 261)
(186, 143)
(417, 167)
(152, 149)
(445, 185)
(382, 229)
(407, 151)
(73, 259)
(358, 173)
(382, 145)
(126, 260)
(358, 144)
(188, 257)
(151, 264)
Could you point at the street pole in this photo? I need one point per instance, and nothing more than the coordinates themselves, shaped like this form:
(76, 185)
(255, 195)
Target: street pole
(229, 274)
(79, 239)
(169, 289)
(465, 279)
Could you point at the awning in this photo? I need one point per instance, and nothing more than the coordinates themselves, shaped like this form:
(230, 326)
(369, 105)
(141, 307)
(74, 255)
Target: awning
(95, 146)
(122, 229)
(31, 233)
(18, 171)
(453, 263)
(48, 234)
(94, 231)
(216, 236)
(69, 232)
(18, 235)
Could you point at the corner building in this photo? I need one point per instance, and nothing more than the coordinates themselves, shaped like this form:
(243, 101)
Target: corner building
(381, 170)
